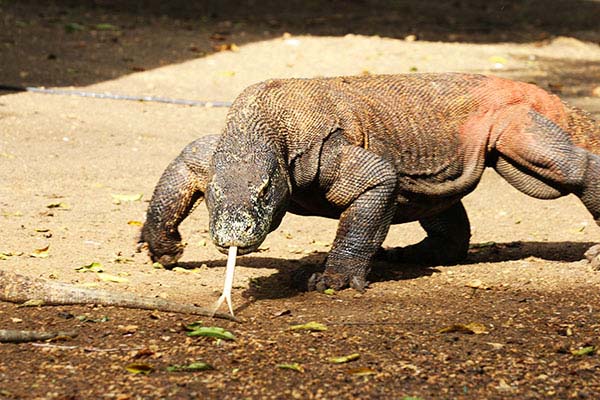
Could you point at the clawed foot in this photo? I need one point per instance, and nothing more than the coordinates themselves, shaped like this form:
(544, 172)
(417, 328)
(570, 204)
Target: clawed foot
(593, 256)
(323, 281)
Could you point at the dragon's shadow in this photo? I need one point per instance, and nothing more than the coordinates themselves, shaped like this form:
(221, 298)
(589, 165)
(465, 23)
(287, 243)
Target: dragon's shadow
(291, 275)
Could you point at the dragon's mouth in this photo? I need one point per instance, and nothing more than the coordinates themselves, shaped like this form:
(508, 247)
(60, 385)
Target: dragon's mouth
(241, 249)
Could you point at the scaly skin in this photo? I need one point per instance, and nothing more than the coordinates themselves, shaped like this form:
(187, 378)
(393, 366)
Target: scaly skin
(374, 151)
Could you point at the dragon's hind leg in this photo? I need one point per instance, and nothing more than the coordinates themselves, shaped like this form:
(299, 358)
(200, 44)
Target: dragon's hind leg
(542, 161)
(447, 240)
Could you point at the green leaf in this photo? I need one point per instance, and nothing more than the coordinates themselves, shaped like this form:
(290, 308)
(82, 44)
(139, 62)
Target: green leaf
(329, 292)
(584, 351)
(122, 198)
(73, 27)
(32, 303)
(293, 366)
(93, 267)
(139, 368)
(158, 265)
(344, 359)
(194, 325)
(309, 326)
(106, 27)
(212, 331)
(195, 366)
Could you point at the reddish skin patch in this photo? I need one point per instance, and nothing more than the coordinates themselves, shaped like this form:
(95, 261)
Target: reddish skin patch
(497, 94)
(504, 107)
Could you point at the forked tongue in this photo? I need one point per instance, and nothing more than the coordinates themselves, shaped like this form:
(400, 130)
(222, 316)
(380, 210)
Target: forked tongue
(228, 281)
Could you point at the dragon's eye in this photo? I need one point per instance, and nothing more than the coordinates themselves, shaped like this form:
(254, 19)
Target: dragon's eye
(262, 189)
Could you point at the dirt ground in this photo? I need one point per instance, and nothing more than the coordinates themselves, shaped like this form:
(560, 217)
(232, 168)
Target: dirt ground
(64, 162)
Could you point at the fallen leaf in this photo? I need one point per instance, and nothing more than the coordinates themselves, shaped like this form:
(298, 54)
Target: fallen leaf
(32, 303)
(59, 206)
(93, 267)
(122, 198)
(362, 371)
(584, 351)
(138, 368)
(73, 27)
(106, 27)
(309, 326)
(329, 291)
(40, 253)
(123, 260)
(85, 318)
(496, 346)
(282, 313)
(195, 366)
(135, 223)
(103, 276)
(471, 328)
(212, 331)
(344, 359)
(12, 214)
(293, 366)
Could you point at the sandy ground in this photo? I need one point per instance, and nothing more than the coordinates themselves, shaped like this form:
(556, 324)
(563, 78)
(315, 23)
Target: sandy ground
(63, 159)
(81, 152)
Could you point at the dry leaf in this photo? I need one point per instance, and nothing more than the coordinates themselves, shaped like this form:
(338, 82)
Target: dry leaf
(137, 368)
(40, 253)
(293, 366)
(59, 206)
(362, 371)
(344, 359)
(471, 328)
(111, 278)
(121, 198)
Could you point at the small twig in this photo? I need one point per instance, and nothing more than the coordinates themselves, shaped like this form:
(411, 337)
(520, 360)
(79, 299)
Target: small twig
(54, 346)
(86, 349)
(114, 96)
(17, 336)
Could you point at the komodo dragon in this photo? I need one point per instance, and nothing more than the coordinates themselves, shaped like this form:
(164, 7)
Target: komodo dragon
(373, 151)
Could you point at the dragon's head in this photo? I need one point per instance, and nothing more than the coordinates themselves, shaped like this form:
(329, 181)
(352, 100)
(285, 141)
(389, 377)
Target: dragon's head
(247, 195)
